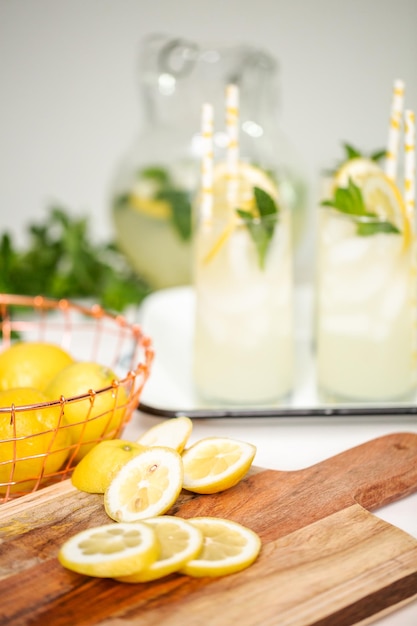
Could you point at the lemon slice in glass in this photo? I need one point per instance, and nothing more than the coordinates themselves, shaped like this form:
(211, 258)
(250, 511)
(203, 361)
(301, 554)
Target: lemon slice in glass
(110, 550)
(357, 169)
(179, 542)
(172, 433)
(146, 486)
(214, 464)
(382, 196)
(228, 547)
(248, 177)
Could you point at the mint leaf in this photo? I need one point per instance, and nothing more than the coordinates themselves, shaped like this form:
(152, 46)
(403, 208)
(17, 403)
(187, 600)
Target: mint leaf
(349, 200)
(180, 210)
(371, 228)
(261, 227)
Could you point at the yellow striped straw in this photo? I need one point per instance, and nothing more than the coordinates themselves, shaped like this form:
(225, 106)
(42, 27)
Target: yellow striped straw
(394, 130)
(206, 206)
(232, 129)
(410, 163)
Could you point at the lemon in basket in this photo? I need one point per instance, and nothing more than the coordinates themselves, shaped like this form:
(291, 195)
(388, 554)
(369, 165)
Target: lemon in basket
(31, 364)
(98, 416)
(32, 442)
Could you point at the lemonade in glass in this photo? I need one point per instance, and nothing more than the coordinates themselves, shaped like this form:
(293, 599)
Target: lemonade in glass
(367, 294)
(243, 344)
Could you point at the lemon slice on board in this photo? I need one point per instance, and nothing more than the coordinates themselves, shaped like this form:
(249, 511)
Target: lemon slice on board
(146, 486)
(214, 464)
(357, 169)
(382, 196)
(97, 469)
(110, 550)
(172, 433)
(228, 547)
(179, 542)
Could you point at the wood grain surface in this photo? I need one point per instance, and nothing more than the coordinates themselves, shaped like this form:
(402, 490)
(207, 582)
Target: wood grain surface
(325, 561)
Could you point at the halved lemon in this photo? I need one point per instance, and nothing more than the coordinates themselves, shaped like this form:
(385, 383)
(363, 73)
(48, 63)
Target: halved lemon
(357, 169)
(172, 433)
(179, 540)
(228, 547)
(382, 196)
(110, 550)
(146, 486)
(214, 464)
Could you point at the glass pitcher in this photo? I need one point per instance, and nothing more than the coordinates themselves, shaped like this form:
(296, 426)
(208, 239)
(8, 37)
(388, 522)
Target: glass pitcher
(156, 182)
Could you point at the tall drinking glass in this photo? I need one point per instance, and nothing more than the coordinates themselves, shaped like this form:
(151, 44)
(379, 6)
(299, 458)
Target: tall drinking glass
(243, 349)
(366, 309)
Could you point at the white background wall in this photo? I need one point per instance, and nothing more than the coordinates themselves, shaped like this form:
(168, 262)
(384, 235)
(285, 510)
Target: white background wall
(70, 105)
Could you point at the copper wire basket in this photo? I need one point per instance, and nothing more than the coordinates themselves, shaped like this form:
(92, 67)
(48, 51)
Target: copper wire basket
(88, 334)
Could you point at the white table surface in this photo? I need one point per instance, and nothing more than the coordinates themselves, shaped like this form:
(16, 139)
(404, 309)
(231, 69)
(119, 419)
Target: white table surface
(282, 443)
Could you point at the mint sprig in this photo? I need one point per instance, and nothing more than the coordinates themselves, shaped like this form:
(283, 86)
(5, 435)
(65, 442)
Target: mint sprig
(261, 230)
(349, 200)
(351, 152)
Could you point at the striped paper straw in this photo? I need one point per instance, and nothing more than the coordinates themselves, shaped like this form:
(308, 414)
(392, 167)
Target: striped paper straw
(206, 207)
(410, 163)
(397, 105)
(232, 129)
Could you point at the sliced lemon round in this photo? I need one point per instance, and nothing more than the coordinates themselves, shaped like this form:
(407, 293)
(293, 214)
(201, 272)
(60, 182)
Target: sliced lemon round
(179, 540)
(156, 209)
(110, 550)
(172, 433)
(248, 177)
(357, 169)
(228, 547)
(98, 467)
(146, 486)
(214, 464)
(382, 197)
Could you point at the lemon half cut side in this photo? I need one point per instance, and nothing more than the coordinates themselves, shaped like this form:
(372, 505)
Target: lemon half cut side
(110, 550)
(214, 464)
(146, 486)
(172, 433)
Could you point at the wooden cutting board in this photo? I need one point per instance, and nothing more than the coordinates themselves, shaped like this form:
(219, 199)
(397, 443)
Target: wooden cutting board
(325, 559)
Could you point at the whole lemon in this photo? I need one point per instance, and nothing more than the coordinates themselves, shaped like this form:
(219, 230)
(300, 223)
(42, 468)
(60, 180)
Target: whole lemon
(96, 470)
(30, 442)
(31, 364)
(94, 418)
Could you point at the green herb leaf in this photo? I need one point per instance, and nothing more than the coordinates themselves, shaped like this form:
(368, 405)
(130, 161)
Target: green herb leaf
(349, 200)
(371, 228)
(261, 230)
(61, 261)
(181, 210)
